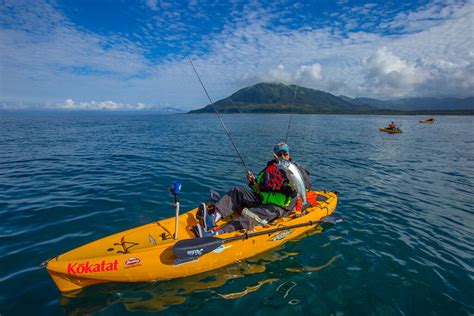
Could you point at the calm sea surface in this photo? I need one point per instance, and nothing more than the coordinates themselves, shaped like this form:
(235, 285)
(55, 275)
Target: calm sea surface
(406, 246)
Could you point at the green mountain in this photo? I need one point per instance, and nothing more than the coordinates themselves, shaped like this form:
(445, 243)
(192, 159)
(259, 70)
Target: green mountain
(416, 104)
(278, 98)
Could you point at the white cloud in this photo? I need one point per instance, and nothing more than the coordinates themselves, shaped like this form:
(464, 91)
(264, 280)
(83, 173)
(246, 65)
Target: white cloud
(278, 74)
(152, 4)
(430, 15)
(48, 59)
(448, 78)
(389, 74)
(69, 104)
(46, 54)
(309, 75)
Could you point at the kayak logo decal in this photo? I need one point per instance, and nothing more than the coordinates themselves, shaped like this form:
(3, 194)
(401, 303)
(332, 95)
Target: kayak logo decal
(281, 235)
(88, 267)
(195, 252)
(151, 240)
(220, 249)
(132, 261)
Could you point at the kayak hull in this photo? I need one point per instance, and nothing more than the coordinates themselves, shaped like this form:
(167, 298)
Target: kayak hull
(426, 121)
(145, 253)
(390, 131)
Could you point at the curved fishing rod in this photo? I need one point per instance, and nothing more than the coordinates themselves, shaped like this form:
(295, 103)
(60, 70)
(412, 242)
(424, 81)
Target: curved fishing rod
(291, 115)
(220, 119)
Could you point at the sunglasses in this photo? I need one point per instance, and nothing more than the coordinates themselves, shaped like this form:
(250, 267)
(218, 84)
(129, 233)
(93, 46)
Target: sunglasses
(283, 153)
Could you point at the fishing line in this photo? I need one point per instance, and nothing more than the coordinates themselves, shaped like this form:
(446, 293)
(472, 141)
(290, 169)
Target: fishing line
(220, 119)
(235, 106)
(291, 115)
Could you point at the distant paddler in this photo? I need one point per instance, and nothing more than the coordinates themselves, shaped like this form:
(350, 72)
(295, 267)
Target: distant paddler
(430, 120)
(272, 194)
(392, 128)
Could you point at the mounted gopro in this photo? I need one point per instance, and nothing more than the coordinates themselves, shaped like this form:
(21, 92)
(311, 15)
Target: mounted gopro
(175, 189)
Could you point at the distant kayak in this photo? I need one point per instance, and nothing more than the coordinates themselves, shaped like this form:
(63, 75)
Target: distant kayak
(429, 121)
(391, 130)
(150, 252)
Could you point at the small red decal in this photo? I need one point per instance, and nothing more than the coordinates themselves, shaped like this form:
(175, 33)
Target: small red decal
(131, 261)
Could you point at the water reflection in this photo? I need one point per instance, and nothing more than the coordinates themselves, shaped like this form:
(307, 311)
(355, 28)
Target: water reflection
(160, 295)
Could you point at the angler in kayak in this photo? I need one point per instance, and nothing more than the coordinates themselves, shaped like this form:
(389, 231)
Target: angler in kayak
(391, 129)
(270, 195)
(392, 126)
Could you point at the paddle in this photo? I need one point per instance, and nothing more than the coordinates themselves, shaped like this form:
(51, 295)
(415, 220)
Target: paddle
(191, 249)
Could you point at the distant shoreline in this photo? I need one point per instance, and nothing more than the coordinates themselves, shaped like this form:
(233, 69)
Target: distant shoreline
(381, 112)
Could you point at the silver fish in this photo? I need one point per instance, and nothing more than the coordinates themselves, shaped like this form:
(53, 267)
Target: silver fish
(296, 180)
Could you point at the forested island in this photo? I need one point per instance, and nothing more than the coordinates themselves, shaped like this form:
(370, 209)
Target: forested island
(282, 98)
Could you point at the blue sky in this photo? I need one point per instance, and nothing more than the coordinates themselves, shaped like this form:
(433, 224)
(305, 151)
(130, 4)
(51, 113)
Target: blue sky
(134, 54)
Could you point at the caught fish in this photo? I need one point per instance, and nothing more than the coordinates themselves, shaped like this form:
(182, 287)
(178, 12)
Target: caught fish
(296, 180)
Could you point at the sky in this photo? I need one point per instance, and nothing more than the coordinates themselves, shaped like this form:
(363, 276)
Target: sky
(114, 54)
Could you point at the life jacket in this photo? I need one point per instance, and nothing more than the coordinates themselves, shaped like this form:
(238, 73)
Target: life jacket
(273, 186)
(271, 178)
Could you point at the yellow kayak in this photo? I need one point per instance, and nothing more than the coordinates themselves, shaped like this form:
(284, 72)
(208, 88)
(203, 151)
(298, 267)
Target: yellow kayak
(150, 252)
(390, 130)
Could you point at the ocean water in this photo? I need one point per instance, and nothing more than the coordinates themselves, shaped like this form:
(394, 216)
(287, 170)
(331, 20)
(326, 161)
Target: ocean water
(406, 245)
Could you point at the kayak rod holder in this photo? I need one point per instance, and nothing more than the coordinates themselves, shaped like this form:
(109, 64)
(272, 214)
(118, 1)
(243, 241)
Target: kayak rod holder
(175, 189)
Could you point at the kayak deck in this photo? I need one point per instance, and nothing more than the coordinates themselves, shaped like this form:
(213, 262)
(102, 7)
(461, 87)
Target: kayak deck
(146, 253)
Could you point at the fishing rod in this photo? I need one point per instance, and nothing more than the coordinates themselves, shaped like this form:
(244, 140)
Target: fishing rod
(291, 115)
(220, 119)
